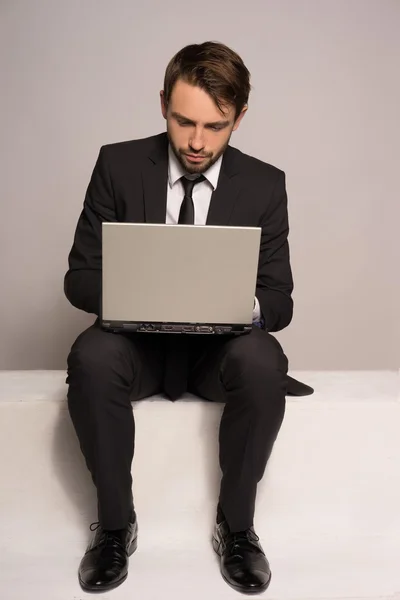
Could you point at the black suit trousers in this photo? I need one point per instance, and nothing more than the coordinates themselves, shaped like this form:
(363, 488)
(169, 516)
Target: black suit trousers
(107, 371)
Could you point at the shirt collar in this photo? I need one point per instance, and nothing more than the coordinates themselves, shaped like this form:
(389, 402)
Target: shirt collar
(176, 171)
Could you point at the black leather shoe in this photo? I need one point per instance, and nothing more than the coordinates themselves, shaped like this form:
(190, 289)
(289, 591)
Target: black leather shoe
(105, 564)
(244, 565)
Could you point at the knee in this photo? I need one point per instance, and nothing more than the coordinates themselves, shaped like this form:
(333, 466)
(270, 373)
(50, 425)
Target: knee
(95, 352)
(258, 364)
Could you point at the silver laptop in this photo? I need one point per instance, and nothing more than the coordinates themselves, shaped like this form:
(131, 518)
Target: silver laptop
(179, 278)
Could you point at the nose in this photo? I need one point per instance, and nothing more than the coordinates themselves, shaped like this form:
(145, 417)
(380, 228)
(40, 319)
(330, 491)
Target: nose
(196, 142)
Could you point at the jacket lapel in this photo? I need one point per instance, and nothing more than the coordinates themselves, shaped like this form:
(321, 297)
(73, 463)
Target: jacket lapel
(226, 193)
(155, 179)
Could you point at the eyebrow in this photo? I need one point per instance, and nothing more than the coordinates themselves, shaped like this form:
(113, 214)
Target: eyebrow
(221, 124)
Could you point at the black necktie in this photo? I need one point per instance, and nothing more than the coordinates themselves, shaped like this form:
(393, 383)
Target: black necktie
(186, 214)
(176, 359)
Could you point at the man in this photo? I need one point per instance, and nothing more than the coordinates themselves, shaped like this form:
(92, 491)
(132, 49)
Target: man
(156, 180)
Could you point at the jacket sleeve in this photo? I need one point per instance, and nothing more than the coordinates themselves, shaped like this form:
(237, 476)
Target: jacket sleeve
(83, 280)
(274, 279)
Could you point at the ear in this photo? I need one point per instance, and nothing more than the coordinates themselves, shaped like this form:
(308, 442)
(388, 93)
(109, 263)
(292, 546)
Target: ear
(163, 104)
(240, 117)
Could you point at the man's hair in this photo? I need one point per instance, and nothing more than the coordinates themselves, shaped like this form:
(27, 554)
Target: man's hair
(213, 67)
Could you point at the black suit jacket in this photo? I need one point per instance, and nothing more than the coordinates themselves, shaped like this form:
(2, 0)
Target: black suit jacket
(129, 184)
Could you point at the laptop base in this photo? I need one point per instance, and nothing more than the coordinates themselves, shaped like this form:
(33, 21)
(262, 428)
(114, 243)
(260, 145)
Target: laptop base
(190, 328)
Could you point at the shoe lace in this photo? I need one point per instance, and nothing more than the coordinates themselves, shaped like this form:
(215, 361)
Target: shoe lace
(108, 539)
(94, 526)
(238, 538)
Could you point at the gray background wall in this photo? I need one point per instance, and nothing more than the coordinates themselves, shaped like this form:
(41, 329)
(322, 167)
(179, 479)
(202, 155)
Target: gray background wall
(325, 106)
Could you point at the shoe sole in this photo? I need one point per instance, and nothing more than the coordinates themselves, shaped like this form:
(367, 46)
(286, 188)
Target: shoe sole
(112, 586)
(247, 591)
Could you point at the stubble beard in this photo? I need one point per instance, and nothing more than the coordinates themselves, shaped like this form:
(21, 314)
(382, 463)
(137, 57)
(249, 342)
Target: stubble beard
(193, 169)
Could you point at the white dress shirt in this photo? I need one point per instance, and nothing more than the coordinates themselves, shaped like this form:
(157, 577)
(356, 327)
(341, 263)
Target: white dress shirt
(202, 193)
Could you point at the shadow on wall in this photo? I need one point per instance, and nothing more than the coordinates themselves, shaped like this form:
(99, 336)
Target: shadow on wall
(48, 334)
(68, 323)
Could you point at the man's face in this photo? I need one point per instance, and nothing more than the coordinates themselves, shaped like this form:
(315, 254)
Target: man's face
(197, 130)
